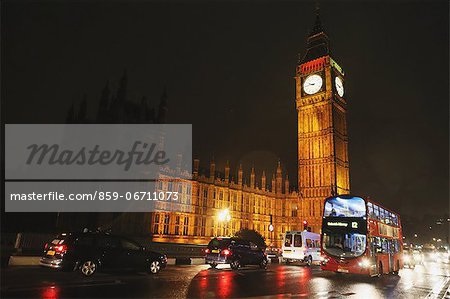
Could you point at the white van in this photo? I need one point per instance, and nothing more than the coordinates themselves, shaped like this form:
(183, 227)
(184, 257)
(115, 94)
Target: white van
(301, 246)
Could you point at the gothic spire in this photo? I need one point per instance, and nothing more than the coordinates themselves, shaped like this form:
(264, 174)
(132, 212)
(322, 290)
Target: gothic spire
(317, 24)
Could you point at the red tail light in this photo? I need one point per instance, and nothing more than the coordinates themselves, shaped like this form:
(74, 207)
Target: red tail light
(206, 250)
(226, 252)
(61, 248)
(46, 246)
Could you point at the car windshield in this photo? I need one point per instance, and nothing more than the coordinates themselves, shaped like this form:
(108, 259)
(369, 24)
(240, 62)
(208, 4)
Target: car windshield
(344, 244)
(218, 243)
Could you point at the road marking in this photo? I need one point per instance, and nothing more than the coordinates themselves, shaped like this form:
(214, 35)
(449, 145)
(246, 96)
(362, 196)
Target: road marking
(437, 291)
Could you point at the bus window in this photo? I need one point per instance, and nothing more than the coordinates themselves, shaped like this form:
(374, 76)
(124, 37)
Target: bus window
(358, 243)
(394, 219)
(382, 219)
(376, 212)
(376, 245)
(288, 240)
(370, 208)
(384, 245)
(297, 240)
(308, 243)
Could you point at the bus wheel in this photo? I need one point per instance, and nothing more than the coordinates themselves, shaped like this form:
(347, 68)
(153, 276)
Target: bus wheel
(380, 269)
(398, 268)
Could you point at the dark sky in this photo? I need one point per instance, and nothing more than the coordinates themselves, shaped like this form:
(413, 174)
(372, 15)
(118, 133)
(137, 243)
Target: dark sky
(229, 67)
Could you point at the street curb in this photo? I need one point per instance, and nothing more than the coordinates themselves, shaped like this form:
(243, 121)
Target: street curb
(197, 260)
(15, 260)
(171, 261)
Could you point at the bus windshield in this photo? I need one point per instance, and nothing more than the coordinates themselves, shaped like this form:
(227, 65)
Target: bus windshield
(344, 244)
(345, 207)
(344, 226)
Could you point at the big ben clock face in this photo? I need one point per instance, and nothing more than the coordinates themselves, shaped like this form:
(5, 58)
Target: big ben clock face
(312, 84)
(339, 86)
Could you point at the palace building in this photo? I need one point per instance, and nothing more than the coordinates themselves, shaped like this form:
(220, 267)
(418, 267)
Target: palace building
(214, 206)
(217, 205)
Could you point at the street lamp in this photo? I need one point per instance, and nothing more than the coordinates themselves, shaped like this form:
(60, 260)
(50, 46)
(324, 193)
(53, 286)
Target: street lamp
(224, 216)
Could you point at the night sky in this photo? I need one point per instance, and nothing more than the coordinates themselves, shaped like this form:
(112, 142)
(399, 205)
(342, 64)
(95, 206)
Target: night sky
(228, 68)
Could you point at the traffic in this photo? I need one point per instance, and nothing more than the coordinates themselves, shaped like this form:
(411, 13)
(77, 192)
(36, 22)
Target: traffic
(358, 236)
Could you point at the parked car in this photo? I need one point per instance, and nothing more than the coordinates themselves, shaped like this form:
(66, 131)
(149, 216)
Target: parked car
(301, 246)
(234, 251)
(91, 252)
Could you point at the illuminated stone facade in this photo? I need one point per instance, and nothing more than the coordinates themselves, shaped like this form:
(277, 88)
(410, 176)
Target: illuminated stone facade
(323, 170)
(204, 198)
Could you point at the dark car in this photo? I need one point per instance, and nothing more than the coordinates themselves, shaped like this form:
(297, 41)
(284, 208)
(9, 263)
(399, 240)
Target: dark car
(91, 252)
(234, 251)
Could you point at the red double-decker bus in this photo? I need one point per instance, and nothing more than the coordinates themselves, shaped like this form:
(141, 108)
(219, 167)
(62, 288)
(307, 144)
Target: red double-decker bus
(360, 236)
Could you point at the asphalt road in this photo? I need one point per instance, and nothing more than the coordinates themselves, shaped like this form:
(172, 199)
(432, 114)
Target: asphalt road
(429, 281)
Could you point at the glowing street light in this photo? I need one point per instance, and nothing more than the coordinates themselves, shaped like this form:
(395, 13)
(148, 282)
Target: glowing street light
(224, 215)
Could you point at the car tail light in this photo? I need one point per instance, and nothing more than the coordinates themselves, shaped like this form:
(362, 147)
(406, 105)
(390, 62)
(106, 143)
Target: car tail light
(46, 246)
(61, 248)
(226, 252)
(206, 250)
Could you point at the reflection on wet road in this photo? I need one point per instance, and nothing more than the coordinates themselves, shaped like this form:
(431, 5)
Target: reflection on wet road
(298, 281)
(429, 281)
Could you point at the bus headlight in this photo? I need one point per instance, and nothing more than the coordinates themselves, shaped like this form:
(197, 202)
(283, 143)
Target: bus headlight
(323, 260)
(365, 263)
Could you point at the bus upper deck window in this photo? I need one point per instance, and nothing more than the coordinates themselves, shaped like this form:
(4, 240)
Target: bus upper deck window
(377, 212)
(382, 215)
(370, 209)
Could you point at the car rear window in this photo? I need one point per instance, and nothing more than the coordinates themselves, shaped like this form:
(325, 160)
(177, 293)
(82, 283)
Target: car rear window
(288, 240)
(219, 243)
(61, 239)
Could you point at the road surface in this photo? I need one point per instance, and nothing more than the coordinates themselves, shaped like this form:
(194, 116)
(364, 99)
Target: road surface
(429, 281)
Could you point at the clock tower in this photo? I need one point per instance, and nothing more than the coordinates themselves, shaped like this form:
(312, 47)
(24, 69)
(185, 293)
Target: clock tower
(323, 166)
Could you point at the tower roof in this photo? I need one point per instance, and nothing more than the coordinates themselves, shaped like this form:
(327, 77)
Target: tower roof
(317, 41)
